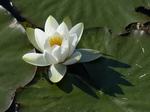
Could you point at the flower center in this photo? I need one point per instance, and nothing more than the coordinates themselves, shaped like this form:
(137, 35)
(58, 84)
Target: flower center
(55, 41)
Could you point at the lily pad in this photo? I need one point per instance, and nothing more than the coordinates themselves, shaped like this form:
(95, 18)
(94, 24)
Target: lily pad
(115, 15)
(51, 97)
(122, 75)
(132, 51)
(14, 72)
(118, 81)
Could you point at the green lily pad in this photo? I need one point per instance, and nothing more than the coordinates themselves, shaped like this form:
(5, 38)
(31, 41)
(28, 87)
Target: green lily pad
(14, 72)
(130, 52)
(118, 81)
(115, 15)
(71, 94)
(121, 75)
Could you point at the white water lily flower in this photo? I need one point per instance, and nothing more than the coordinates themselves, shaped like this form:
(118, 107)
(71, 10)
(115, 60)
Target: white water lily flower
(57, 46)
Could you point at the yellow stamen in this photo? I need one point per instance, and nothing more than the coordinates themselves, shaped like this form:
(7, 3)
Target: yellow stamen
(55, 41)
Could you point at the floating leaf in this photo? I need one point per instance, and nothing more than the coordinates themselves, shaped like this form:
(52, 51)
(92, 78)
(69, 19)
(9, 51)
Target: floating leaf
(115, 15)
(122, 75)
(123, 71)
(14, 72)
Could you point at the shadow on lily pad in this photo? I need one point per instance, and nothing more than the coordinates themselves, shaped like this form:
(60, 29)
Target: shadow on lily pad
(66, 84)
(100, 75)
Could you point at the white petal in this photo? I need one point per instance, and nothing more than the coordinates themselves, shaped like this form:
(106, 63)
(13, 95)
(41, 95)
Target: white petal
(72, 43)
(50, 58)
(62, 28)
(35, 59)
(50, 31)
(76, 56)
(59, 53)
(77, 29)
(88, 55)
(40, 38)
(31, 37)
(51, 22)
(57, 72)
(65, 46)
(46, 44)
(65, 43)
(68, 22)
